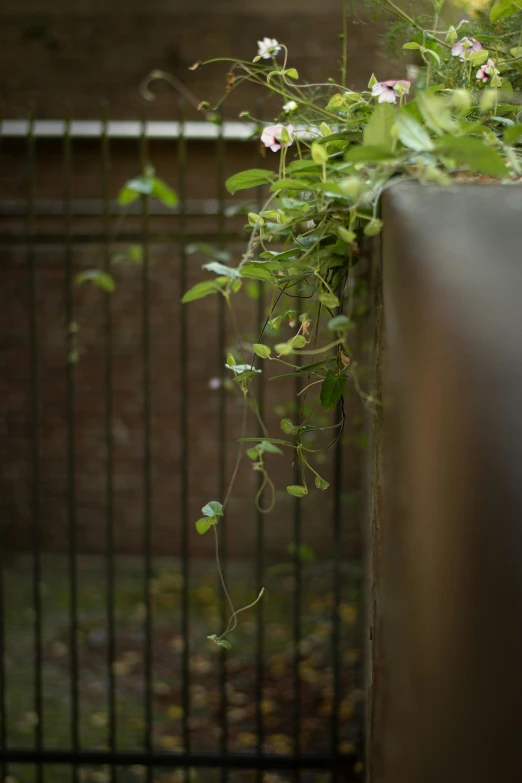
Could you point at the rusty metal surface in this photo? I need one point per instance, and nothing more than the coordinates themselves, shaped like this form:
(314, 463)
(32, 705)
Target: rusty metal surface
(447, 551)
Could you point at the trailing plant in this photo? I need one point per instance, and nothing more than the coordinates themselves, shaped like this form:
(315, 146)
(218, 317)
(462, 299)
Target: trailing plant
(338, 150)
(456, 116)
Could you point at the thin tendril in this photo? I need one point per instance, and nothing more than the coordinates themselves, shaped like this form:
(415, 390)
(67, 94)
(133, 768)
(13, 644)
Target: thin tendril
(220, 572)
(235, 614)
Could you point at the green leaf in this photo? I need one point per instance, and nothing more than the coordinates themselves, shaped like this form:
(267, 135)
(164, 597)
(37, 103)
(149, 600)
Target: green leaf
(477, 58)
(268, 447)
(412, 134)
(435, 113)
(241, 369)
(221, 269)
(204, 289)
(331, 390)
(292, 73)
(319, 154)
(254, 219)
(263, 351)
(378, 131)
(474, 154)
(251, 178)
(329, 300)
(162, 192)
(304, 552)
(513, 134)
(425, 51)
(253, 454)
(256, 272)
(503, 8)
(298, 342)
(291, 184)
(97, 277)
(231, 362)
(134, 188)
(267, 440)
(340, 324)
(225, 644)
(320, 483)
(134, 254)
(412, 45)
(297, 491)
(289, 428)
(283, 349)
(368, 154)
(373, 227)
(208, 250)
(213, 509)
(325, 129)
(204, 524)
(346, 235)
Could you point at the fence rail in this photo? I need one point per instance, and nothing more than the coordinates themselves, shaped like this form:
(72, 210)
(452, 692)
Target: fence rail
(96, 129)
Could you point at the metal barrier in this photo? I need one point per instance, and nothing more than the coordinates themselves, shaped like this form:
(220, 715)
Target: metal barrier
(336, 752)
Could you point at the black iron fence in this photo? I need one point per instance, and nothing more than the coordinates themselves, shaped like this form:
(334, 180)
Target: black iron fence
(106, 592)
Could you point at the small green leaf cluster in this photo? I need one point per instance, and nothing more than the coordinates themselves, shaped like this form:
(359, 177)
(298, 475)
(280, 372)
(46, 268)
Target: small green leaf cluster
(147, 184)
(211, 513)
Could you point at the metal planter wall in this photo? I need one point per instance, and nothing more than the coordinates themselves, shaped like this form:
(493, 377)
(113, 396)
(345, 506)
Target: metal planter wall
(446, 596)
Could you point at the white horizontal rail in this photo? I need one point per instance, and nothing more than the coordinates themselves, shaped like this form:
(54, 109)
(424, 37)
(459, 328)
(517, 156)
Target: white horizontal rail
(127, 129)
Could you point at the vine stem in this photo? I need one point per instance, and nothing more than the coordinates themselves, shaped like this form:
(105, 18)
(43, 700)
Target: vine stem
(344, 65)
(390, 6)
(235, 614)
(240, 451)
(220, 572)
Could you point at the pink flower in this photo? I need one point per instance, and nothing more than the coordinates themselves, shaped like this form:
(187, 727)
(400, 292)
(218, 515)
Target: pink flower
(465, 47)
(271, 136)
(389, 91)
(486, 70)
(214, 383)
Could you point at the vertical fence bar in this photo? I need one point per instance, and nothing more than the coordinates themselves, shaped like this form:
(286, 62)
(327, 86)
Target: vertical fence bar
(260, 536)
(220, 149)
(183, 388)
(71, 466)
(260, 569)
(4, 770)
(147, 517)
(297, 592)
(111, 646)
(3, 713)
(35, 444)
(336, 557)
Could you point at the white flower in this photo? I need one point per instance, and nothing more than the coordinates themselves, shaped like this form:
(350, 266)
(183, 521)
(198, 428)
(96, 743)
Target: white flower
(214, 383)
(290, 106)
(277, 136)
(268, 47)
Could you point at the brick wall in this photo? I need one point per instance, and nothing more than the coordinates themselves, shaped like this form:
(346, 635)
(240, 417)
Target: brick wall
(83, 51)
(88, 421)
